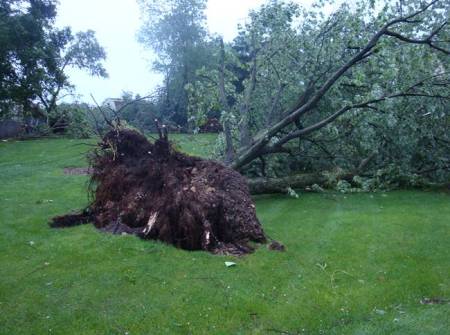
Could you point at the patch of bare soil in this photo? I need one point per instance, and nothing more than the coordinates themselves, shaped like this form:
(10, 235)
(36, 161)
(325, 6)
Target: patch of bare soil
(155, 192)
(76, 171)
(434, 301)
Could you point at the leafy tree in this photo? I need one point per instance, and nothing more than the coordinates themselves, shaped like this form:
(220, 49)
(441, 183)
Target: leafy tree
(313, 92)
(175, 30)
(140, 112)
(67, 50)
(34, 55)
(72, 119)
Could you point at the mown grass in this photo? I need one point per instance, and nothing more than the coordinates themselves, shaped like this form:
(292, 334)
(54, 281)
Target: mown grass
(355, 264)
(197, 145)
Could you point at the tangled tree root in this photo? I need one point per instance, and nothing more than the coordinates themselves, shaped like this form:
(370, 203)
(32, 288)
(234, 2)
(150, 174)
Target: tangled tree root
(155, 192)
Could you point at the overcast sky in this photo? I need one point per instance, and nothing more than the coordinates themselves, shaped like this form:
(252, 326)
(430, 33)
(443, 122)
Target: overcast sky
(116, 23)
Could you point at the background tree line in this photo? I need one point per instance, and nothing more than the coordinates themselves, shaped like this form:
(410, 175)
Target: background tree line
(363, 91)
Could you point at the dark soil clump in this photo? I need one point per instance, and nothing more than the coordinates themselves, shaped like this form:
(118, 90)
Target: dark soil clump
(155, 192)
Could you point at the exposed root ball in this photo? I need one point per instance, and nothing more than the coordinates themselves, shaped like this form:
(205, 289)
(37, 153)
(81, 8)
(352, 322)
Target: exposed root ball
(158, 193)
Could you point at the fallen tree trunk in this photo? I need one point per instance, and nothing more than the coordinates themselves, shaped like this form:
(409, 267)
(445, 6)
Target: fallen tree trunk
(302, 181)
(305, 181)
(281, 185)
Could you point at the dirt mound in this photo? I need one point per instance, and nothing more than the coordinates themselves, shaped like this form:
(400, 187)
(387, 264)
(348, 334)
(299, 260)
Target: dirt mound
(155, 192)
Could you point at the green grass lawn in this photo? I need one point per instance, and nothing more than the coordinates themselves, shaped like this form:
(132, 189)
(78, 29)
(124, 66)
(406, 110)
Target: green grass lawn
(197, 145)
(354, 264)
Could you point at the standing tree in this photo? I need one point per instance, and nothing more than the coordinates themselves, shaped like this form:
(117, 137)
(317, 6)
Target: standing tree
(175, 30)
(65, 50)
(34, 55)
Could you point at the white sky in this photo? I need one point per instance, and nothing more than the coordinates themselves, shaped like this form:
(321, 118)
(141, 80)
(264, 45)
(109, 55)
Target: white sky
(116, 23)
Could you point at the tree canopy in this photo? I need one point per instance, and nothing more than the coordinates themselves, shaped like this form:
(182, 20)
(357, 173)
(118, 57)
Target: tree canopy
(176, 31)
(34, 56)
(301, 91)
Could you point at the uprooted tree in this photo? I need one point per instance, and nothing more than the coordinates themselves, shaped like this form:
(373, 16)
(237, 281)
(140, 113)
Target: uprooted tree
(363, 87)
(157, 193)
(273, 139)
(152, 191)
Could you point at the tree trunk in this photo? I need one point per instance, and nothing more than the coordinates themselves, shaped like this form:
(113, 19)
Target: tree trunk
(244, 109)
(229, 148)
(280, 185)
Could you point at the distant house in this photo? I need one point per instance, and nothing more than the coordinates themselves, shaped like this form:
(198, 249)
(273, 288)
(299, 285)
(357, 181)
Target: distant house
(113, 103)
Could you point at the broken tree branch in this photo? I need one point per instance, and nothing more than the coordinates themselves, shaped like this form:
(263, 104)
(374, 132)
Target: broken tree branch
(258, 145)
